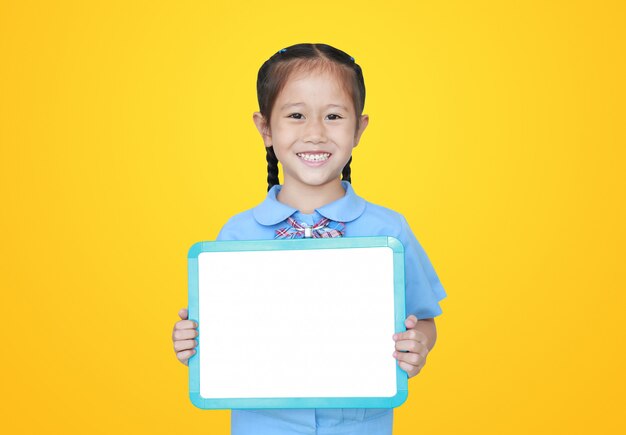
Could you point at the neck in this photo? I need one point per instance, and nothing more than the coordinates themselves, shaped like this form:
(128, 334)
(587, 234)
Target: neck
(307, 198)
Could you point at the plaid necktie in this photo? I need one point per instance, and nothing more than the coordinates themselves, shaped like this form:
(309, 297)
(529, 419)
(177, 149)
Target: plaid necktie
(322, 229)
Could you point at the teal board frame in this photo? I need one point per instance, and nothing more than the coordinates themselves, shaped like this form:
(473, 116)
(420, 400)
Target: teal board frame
(297, 244)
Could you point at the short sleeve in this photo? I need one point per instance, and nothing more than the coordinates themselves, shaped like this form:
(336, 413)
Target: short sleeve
(423, 287)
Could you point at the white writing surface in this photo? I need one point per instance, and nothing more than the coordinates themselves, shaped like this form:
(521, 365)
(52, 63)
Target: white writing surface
(296, 323)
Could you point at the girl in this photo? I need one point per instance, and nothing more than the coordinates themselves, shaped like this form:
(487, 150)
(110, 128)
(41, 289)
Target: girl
(311, 99)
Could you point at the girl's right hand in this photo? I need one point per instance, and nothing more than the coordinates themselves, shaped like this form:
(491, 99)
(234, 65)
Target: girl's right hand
(183, 336)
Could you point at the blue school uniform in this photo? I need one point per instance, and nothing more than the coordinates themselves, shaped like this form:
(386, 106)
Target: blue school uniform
(423, 293)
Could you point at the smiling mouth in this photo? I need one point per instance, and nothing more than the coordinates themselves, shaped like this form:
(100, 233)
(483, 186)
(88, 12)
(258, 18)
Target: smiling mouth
(314, 157)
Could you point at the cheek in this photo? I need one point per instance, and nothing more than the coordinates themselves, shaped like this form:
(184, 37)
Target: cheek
(284, 137)
(282, 151)
(347, 139)
(346, 133)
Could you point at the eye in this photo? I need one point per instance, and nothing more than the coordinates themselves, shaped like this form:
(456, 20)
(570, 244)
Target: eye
(297, 115)
(335, 116)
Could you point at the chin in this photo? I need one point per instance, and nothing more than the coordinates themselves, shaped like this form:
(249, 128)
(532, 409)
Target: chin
(320, 183)
(317, 181)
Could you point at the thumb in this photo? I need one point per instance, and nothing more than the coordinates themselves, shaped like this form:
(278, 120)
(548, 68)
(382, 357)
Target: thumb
(183, 314)
(411, 322)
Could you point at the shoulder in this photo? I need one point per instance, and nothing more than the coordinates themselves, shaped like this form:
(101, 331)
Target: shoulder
(239, 226)
(377, 220)
(383, 215)
(240, 219)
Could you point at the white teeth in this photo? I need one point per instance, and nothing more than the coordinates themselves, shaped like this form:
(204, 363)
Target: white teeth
(314, 157)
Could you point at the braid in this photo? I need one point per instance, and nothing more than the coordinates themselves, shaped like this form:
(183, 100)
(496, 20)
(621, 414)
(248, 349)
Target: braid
(345, 174)
(272, 167)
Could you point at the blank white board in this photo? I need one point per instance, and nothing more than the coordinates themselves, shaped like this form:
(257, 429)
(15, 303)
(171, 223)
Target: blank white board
(297, 323)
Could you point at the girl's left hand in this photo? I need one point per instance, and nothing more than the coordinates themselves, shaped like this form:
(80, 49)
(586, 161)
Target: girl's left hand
(415, 343)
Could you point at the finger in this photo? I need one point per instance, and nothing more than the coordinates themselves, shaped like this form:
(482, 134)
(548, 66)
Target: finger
(184, 334)
(408, 357)
(183, 314)
(411, 346)
(184, 345)
(410, 369)
(185, 355)
(185, 324)
(411, 321)
(411, 334)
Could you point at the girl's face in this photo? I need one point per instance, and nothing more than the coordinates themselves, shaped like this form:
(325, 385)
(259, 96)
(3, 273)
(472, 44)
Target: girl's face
(312, 129)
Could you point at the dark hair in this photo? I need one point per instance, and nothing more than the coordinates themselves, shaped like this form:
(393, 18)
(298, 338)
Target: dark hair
(274, 73)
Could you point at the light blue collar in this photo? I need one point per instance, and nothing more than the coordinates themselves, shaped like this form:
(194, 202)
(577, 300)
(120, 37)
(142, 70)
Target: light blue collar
(345, 209)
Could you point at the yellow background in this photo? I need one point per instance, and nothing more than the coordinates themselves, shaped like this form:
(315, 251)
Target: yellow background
(496, 128)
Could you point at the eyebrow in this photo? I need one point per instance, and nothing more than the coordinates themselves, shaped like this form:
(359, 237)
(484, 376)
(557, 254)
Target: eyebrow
(302, 104)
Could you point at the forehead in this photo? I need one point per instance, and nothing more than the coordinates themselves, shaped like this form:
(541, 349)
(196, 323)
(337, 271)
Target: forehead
(315, 84)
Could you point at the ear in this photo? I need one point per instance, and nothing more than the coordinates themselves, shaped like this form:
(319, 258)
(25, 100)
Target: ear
(364, 121)
(263, 127)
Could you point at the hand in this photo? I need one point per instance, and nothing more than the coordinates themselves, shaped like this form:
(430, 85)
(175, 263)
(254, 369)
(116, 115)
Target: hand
(415, 343)
(183, 336)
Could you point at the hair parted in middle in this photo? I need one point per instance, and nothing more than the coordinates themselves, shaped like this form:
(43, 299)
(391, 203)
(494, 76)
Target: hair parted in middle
(274, 73)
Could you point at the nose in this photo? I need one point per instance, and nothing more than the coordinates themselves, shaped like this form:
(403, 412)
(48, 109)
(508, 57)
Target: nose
(315, 131)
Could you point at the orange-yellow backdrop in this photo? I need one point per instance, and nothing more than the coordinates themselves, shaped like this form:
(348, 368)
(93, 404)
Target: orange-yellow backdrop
(496, 128)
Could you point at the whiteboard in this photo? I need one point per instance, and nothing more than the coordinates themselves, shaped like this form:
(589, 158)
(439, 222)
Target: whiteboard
(304, 323)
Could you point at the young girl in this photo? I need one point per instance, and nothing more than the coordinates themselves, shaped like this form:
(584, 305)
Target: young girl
(311, 99)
